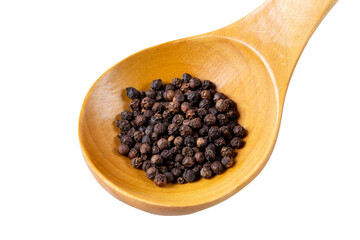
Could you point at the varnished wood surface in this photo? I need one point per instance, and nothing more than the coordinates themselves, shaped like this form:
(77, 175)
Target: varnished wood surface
(251, 61)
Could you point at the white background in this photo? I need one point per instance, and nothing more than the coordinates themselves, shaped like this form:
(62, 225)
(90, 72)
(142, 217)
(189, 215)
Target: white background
(52, 51)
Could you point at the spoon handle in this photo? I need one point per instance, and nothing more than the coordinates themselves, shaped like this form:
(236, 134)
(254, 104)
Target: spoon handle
(279, 30)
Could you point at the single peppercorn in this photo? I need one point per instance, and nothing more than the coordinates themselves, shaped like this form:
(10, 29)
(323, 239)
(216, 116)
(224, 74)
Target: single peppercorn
(186, 77)
(157, 84)
(196, 123)
(204, 130)
(227, 162)
(156, 160)
(180, 180)
(222, 105)
(193, 96)
(146, 165)
(135, 104)
(210, 119)
(218, 96)
(126, 115)
(127, 140)
(222, 119)
(162, 143)
(210, 155)
(239, 131)
(189, 175)
(237, 142)
(185, 106)
(178, 141)
(194, 82)
(169, 177)
(160, 180)
(136, 162)
(219, 142)
(145, 149)
(159, 129)
(185, 130)
(172, 128)
(201, 112)
(170, 94)
(150, 93)
(123, 149)
(206, 172)
(140, 120)
(188, 161)
(205, 94)
(177, 82)
(189, 141)
(217, 167)
(227, 152)
(201, 142)
(187, 152)
(199, 157)
(132, 93)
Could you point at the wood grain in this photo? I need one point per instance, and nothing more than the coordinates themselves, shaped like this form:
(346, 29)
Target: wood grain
(251, 61)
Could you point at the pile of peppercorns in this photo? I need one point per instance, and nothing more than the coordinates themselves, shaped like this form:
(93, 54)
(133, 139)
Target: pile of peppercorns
(181, 131)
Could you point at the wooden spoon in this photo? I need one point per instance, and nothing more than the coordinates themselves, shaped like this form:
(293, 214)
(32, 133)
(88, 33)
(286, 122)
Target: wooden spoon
(250, 60)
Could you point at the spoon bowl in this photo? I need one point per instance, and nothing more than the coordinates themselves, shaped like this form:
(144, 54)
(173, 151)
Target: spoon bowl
(239, 66)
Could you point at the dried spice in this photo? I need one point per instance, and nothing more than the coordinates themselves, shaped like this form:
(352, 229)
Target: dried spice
(180, 131)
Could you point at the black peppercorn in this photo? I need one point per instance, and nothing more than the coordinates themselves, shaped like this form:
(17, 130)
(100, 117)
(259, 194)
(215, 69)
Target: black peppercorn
(193, 96)
(210, 119)
(135, 104)
(199, 157)
(227, 162)
(127, 140)
(239, 131)
(222, 119)
(174, 107)
(123, 149)
(150, 93)
(170, 94)
(180, 180)
(169, 177)
(159, 129)
(237, 142)
(155, 150)
(213, 133)
(185, 106)
(187, 152)
(190, 114)
(194, 82)
(178, 158)
(178, 141)
(201, 142)
(204, 104)
(218, 96)
(201, 112)
(136, 162)
(162, 143)
(126, 115)
(217, 167)
(145, 149)
(213, 111)
(210, 155)
(156, 160)
(138, 136)
(179, 96)
(160, 180)
(186, 77)
(140, 120)
(206, 172)
(189, 141)
(124, 125)
(205, 94)
(178, 119)
(172, 129)
(225, 132)
(189, 175)
(219, 142)
(222, 105)
(151, 172)
(176, 172)
(188, 161)
(227, 152)
(185, 130)
(132, 93)
(146, 165)
(165, 154)
(196, 123)
(204, 130)
(156, 84)
(177, 82)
